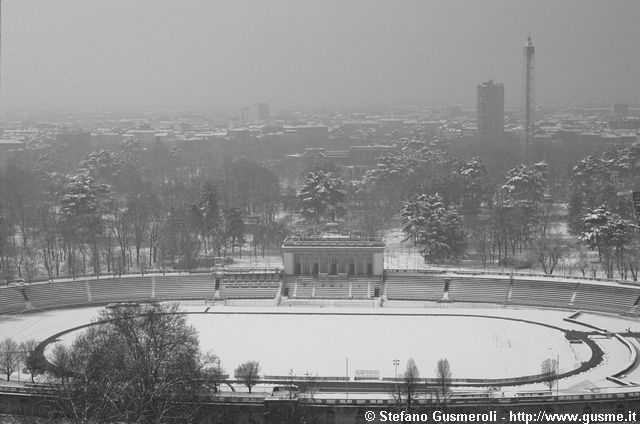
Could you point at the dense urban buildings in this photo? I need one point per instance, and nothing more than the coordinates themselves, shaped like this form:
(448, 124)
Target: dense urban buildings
(262, 111)
(385, 238)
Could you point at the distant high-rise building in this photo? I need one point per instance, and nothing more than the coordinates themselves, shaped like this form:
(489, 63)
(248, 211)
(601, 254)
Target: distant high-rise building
(620, 110)
(244, 114)
(455, 111)
(262, 111)
(528, 98)
(490, 111)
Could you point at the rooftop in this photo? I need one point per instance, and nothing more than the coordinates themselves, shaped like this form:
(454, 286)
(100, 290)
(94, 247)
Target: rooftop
(333, 241)
(11, 141)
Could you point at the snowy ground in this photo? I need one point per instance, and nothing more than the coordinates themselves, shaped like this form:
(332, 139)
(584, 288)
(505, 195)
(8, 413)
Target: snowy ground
(610, 323)
(401, 254)
(320, 344)
(317, 341)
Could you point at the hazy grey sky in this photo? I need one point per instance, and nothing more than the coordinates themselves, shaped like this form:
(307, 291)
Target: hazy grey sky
(223, 54)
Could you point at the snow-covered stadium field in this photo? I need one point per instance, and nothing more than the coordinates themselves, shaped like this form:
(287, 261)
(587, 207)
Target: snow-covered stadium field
(319, 344)
(477, 340)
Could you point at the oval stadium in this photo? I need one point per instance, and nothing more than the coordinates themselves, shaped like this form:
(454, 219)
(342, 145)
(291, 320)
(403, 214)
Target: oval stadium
(333, 322)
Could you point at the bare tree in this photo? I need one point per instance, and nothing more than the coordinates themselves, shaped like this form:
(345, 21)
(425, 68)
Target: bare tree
(411, 376)
(549, 370)
(549, 249)
(481, 240)
(212, 370)
(583, 262)
(631, 259)
(442, 389)
(248, 373)
(131, 366)
(32, 362)
(60, 362)
(9, 357)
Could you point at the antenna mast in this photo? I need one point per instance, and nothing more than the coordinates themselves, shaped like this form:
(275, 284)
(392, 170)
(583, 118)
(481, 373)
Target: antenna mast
(528, 105)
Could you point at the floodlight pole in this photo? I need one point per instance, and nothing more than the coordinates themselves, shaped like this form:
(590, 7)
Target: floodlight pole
(347, 378)
(558, 375)
(396, 362)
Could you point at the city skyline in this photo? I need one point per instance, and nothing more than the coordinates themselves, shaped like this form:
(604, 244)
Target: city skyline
(74, 54)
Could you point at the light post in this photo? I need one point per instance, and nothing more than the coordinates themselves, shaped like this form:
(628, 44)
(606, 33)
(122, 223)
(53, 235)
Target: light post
(347, 366)
(396, 362)
(19, 355)
(558, 375)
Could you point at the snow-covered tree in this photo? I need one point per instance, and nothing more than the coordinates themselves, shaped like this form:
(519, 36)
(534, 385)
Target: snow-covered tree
(83, 206)
(525, 183)
(608, 233)
(386, 185)
(323, 195)
(413, 217)
(437, 230)
(517, 208)
(608, 179)
(473, 174)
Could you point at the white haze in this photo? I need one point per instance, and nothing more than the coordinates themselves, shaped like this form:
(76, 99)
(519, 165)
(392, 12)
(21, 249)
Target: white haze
(71, 54)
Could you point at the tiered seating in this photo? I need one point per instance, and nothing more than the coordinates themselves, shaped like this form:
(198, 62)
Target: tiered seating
(360, 286)
(194, 286)
(249, 286)
(332, 287)
(119, 289)
(63, 293)
(477, 289)
(415, 286)
(541, 292)
(289, 285)
(304, 287)
(605, 298)
(11, 300)
(343, 303)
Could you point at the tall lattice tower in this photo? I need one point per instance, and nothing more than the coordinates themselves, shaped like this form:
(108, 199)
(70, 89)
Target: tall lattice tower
(528, 100)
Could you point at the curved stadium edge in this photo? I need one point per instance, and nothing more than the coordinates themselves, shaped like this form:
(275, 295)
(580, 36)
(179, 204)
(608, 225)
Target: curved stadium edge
(482, 287)
(502, 289)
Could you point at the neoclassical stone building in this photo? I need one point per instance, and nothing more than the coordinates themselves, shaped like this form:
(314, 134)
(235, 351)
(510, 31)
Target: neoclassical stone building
(333, 256)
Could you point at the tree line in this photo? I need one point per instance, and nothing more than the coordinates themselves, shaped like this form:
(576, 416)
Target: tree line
(130, 209)
(137, 208)
(452, 209)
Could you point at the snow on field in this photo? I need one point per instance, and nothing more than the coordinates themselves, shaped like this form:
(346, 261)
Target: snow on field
(318, 341)
(40, 325)
(614, 324)
(321, 343)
